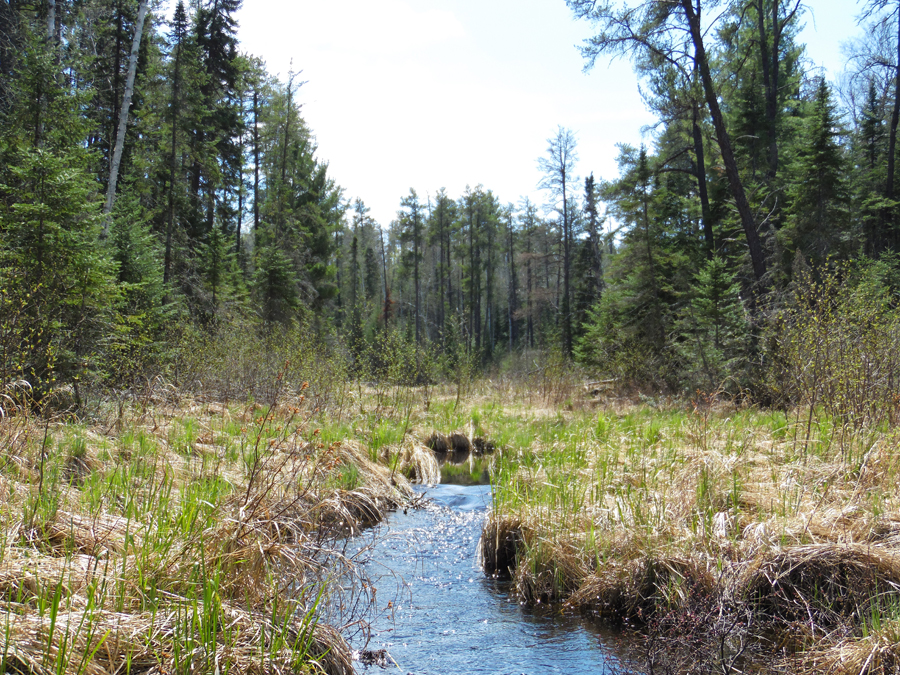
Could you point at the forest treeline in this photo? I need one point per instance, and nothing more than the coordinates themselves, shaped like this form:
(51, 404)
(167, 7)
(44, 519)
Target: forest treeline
(160, 188)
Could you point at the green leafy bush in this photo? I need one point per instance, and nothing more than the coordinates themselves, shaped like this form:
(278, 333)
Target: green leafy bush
(836, 347)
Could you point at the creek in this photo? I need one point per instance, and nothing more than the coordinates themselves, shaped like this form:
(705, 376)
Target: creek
(446, 617)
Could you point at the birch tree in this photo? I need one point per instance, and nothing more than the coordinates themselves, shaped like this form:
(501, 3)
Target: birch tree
(123, 116)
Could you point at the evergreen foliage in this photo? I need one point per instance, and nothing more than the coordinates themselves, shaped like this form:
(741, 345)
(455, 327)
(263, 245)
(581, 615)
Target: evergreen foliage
(713, 332)
(753, 181)
(817, 195)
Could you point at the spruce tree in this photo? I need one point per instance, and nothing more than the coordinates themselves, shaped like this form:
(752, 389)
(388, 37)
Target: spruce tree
(713, 331)
(817, 195)
(60, 280)
(275, 286)
(412, 231)
(221, 287)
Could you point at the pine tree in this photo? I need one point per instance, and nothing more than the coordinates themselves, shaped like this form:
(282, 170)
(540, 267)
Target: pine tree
(441, 227)
(558, 168)
(412, 231)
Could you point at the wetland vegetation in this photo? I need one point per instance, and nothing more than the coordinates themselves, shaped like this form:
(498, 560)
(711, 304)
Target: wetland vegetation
(217, 369)
(186, 531)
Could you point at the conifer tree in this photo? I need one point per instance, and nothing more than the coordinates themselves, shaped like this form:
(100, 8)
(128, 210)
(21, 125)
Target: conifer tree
(713, 330)
(594, 223)
(143, 316)
(60, 279)
(221, 286)
(372, 276)
(868, 148)
(178, 38)
(817, 215)
(275, 286)
(528, 220)
(558, 168)
(412, 230)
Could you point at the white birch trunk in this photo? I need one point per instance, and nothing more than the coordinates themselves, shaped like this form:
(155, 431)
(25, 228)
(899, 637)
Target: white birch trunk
(51, 20)
(123, 116)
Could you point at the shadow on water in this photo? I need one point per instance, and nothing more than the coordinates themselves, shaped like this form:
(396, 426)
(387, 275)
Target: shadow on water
(447, 618)
(462, 461)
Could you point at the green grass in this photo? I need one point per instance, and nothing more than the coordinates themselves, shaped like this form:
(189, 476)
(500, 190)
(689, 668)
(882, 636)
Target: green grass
(607, 493)
(191, 530)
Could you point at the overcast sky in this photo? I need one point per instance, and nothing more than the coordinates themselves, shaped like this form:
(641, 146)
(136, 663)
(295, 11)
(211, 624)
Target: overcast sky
(449, 93)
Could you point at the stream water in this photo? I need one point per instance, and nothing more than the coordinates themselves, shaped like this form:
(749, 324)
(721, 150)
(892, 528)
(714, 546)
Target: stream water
(447, 618)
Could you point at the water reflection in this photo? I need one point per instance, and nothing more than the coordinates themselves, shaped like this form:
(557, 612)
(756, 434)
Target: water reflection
(449, 618)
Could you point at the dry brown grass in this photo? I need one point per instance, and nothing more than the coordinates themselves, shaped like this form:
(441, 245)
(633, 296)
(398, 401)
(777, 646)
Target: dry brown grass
(419, 463)
(650, 515)
(821, 585)
(635, 590)
(874, 654)
(151, 642)
(222, 547)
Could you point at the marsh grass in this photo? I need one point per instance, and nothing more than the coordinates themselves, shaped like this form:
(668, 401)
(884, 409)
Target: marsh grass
(197, 538)
(636, 513)
(195, 530)
(207, 527)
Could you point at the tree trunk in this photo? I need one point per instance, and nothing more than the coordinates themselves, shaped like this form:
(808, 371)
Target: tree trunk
(115, 95)
(887, 231)
(170, 222)
(511, 301)
(416, 247)
(770, 79)
(386, 304)
(240, 163)
(440, 267)
(450, 302)
(566, 303)
(51, 21)
(754, 243)
(529, 309)
(287, 131)
(700, 171)
(596, 250)
(473, 320)
(255, 163)
(123, 117)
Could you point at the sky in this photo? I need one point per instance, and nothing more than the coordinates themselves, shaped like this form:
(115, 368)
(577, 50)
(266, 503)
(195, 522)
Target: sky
(427, 94)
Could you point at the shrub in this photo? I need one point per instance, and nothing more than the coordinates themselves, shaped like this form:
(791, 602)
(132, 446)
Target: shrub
(836, 347)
